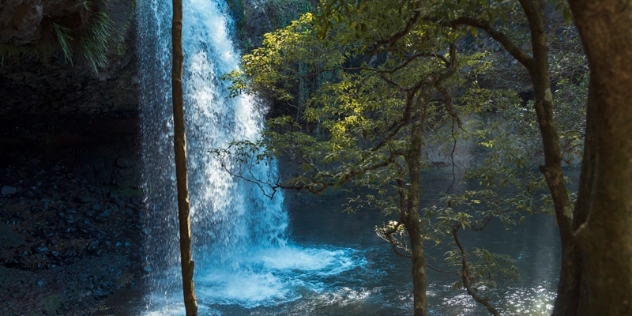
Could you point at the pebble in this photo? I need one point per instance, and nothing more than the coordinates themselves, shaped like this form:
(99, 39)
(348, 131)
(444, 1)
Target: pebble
(105, 213)
(93, 246)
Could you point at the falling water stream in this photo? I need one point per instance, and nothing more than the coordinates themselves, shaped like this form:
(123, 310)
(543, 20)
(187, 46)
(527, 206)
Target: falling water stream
(250, 259)
(240, 241)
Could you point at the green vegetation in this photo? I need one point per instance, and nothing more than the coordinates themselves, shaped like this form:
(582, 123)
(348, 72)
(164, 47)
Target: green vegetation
(369, 92)
(367, 85)
(92, 38)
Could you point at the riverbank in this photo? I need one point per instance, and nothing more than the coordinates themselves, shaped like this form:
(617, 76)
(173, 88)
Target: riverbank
(70, 205)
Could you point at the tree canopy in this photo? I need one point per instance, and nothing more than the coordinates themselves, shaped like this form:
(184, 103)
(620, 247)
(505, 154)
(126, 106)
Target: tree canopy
(373, 83)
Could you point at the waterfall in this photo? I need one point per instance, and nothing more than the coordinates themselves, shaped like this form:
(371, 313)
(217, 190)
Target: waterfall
(239, 234)
(229, 216)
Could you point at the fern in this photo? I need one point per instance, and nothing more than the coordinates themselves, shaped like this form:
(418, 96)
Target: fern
(96, 39)
(93, 40)
(64, 38)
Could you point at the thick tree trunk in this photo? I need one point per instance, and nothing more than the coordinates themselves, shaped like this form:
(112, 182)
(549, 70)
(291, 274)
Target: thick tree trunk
(605, 216)
(568, 304)
(179, 145)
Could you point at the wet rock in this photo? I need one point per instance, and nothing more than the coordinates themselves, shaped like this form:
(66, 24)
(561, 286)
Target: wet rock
(9, 238)
(123, 162)
(93, 247)
(53, 304)
(128, 212)
(20, 21)
(8, 190)
(70, 219)
(120, 203)
(105, 214)
(72, 252)
(41, 250)
(112, 195)
(103, 217)
(91, 214)
(85, 199)
(113, 208)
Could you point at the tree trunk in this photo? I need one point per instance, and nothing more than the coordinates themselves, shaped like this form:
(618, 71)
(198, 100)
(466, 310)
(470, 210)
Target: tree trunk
(605, 216)
(552, 169)
(568, 304)
(179, 145)
(413, 229)
(411, 217)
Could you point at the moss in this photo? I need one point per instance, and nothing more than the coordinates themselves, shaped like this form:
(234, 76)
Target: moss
(52, 304)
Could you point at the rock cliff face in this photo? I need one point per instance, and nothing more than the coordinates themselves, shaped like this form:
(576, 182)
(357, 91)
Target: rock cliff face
(70, 195)
(50, 106)
(25, 22)
(20, 21)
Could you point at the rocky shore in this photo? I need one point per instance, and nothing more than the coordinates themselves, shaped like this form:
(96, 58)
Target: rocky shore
(70, 197)
(70, 205)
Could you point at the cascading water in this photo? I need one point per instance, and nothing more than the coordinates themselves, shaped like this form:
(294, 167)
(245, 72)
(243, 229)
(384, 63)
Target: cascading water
(239, 234)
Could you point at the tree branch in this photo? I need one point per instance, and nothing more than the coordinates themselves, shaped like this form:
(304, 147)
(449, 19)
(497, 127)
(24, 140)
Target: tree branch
(397, 36)
(520, 55)
(465, 274)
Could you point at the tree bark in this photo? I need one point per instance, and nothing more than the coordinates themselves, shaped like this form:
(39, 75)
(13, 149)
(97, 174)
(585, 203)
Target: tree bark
(179, 145)
(411, 215)
(604, 218)
(568, 304)
(538, 68)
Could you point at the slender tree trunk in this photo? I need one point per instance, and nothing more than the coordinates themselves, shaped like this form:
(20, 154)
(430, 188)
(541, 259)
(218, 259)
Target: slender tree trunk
(411, 217)
(605, 214)
(539, 73)
(179, 145)
(552, 169)
(413, 229)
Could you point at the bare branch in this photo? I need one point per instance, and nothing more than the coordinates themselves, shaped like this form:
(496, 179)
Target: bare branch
(465, 274)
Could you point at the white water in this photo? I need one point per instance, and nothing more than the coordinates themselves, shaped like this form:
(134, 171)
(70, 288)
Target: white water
(240, 236)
